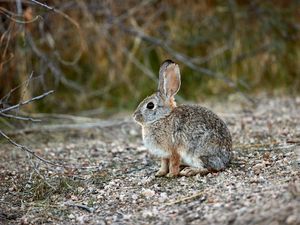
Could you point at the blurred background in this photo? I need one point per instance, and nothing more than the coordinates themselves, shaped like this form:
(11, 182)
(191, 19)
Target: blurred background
(102, 57)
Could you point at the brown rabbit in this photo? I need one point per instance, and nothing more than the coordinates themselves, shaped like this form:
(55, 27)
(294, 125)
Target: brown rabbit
(187, 134)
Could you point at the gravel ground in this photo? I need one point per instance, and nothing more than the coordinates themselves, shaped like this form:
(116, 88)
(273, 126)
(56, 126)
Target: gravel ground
(114, 183)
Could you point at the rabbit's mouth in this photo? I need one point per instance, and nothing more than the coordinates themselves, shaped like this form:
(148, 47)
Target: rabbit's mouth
(138, 117)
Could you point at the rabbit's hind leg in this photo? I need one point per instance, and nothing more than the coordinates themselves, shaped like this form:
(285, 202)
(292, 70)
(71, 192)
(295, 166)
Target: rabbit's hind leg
(192, 171)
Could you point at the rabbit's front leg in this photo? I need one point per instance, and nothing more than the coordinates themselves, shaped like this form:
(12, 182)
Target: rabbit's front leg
(174, 164)
(164, 167)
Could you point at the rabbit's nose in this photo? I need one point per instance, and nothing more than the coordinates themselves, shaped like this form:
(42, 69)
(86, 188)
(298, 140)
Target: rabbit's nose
(137, 116)
(134, 115)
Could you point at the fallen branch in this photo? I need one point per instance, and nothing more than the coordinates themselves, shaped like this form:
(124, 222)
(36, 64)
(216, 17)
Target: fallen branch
(19, 117)
(80, 206)
(26, 149)
(68, 127)
(26, 102)
(185, 198)
(31, 152)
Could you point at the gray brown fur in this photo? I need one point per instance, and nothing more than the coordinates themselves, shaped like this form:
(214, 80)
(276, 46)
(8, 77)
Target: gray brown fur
(187, 134)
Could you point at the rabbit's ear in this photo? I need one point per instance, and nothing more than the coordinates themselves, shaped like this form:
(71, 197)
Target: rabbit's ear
(169, 79)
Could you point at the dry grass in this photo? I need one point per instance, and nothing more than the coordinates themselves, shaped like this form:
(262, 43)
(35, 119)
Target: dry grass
(106, 54)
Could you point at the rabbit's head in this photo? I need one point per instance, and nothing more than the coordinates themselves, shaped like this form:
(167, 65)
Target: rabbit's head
(161, 103)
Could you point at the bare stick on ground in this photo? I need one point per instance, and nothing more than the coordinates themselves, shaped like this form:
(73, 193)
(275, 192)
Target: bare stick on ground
(26, 149)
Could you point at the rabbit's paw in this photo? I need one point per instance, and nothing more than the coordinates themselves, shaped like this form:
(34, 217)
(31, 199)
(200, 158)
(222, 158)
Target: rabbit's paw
(161, 173)
(190, 171)
(171, 175)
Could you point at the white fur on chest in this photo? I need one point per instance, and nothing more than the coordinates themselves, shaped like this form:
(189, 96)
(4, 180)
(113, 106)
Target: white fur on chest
(154, 147)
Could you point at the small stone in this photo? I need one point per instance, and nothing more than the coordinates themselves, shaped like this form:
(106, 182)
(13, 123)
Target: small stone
(80, 189)
(121, 197)
(148, 193)
(254, 180)
(126, 216)
(74, 197)
(261, 179)
(134, 196)
(24, 221)
(147, 213)
(99, 197)
(145, 180)
(210, 200)
(11, 189)
(258, 167)
(266, 156)
(81, 219)
(292, 219)
(163, 197)
(209, 175)
(70, 146)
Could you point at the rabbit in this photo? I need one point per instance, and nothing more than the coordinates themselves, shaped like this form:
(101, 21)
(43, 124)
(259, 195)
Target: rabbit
(188, 135)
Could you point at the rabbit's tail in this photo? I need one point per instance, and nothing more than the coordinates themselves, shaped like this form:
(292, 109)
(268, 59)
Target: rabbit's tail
(217, 161)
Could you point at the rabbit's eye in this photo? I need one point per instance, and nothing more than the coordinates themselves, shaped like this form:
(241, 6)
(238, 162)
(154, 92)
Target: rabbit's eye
(150, 105)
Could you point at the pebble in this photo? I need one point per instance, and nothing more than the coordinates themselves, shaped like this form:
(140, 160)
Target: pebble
(292, 219)
(80, 189)
(81, 219)
(99, 197)
(146, 180)
(163, 197)
(148, 193)
(134, 196)
(258, 167)
(122, 197)
(147, 213)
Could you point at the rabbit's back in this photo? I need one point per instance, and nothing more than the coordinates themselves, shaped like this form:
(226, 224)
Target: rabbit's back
(203, 135)
(193, 122)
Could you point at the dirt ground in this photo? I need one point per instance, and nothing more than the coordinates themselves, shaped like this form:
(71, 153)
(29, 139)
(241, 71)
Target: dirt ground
(111, 179)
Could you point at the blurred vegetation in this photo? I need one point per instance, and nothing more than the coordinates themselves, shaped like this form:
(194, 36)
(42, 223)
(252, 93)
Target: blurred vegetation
(103, 56)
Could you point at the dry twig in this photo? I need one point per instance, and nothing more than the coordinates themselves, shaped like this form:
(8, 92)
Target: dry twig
(80, 206)
(26, 102)
(45, 161)
(19, 117)
(76, 25)
(26, 149)
(185, 198)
